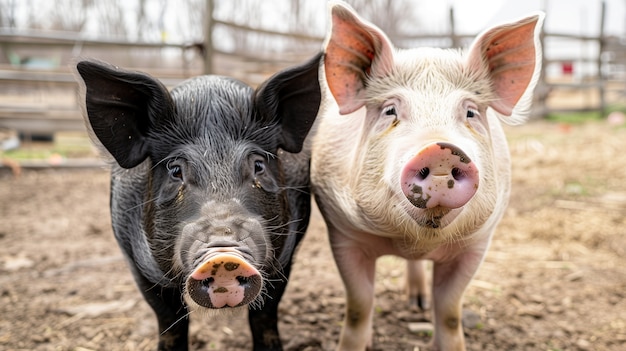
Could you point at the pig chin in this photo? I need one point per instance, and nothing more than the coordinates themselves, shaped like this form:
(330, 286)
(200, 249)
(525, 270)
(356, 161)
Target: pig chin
(434, 218)
(203, 312)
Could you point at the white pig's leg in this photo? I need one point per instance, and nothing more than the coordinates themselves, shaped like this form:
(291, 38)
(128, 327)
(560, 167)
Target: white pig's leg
(417, 286)
(449, 282)
(357, 269)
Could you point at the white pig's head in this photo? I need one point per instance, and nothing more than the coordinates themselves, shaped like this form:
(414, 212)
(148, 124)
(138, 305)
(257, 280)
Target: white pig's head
(425, 141)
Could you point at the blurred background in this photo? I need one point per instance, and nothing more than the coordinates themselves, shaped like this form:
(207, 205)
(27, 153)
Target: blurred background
(40, 41)
(554, 278)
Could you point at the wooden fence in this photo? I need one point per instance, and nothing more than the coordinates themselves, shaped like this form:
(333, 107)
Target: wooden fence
(600, 83)
(42, 101)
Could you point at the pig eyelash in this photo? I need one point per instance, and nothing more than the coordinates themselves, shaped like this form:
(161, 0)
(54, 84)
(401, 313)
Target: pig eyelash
(176, 167)
(175, 171)
(259, 167)
(390, 111)
(471, 110)
(471, 113)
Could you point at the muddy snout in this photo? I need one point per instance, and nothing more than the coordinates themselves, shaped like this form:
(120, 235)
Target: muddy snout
(224, 278)
(441, 174)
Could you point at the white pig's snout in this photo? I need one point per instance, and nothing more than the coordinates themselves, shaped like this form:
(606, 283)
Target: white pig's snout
(441, 174)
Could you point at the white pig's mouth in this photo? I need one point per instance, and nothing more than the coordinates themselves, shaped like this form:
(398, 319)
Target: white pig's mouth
(436, 217)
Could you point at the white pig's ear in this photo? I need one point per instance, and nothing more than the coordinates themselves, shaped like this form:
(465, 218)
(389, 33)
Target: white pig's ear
(355, 51)
(511, 53)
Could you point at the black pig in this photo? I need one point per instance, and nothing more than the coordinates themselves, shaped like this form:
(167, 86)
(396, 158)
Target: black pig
(209, 189)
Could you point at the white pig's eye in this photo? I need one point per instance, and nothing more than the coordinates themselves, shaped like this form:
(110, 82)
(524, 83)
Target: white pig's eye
(390, 111)
(471, 113)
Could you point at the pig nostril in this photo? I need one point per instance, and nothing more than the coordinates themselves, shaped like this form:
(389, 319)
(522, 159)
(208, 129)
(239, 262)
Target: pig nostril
(457, 174)
(243, 281)
(423, 173)
(208, 281)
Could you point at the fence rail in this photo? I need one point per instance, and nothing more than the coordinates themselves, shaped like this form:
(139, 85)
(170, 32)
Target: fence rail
(43, 114)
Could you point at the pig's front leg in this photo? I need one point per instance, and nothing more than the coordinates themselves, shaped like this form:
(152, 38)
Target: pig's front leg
(450, 279)
(356, 264)
(171, 314)
(264, 322)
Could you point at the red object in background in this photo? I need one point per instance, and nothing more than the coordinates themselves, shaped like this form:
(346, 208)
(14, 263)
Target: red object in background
(567, 68)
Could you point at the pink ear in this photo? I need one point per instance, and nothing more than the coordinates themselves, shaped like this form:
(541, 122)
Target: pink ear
(511, 54)
(355, 51)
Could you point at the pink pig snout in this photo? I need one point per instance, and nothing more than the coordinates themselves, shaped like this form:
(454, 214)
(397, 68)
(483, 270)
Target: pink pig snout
(224, 280)
(441, 174)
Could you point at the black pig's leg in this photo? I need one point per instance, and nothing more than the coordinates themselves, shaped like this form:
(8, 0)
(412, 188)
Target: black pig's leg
(171, 314)
(264, 321)
(173, 320)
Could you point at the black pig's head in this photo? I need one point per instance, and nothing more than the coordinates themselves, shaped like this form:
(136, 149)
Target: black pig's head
(214, 182)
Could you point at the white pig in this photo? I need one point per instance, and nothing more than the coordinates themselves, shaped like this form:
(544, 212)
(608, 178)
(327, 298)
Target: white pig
(409, 159)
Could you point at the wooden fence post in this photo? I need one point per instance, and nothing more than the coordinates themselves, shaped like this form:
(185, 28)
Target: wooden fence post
(601, 44)
(455, 39)
(208, 38)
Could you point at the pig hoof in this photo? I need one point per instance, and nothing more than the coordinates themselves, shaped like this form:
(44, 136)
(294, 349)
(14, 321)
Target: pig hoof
(224, 280)
(423, 302)
(420, 301)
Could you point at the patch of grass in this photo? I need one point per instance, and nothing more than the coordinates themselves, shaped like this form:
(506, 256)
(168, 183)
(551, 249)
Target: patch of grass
(66, 145)
(577, 117)
(575, 188)
(580, 187)
(27, 154)
(574, 117)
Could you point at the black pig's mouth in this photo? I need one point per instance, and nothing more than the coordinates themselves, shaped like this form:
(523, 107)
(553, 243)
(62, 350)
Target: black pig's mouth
(213, 250)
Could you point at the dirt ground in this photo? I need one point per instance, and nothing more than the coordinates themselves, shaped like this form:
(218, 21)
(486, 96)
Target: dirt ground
(554, 278)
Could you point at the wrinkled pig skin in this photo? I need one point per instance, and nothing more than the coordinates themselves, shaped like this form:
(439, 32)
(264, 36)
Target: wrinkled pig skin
(209, 190)
(409, 158)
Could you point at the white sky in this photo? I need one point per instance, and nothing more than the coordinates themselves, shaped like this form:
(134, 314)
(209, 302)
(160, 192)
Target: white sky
(471, 17)
(562, 16)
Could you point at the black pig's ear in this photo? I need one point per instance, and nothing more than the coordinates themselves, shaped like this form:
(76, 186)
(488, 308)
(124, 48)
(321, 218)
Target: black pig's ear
(292, 98)
(121, 109)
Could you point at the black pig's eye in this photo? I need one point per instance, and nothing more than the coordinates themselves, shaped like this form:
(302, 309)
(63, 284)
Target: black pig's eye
(259, 167)
(175, 171)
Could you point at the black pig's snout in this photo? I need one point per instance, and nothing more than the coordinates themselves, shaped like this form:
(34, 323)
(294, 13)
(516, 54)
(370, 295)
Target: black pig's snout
(222, 231)
(223, 250)
(224, 279)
